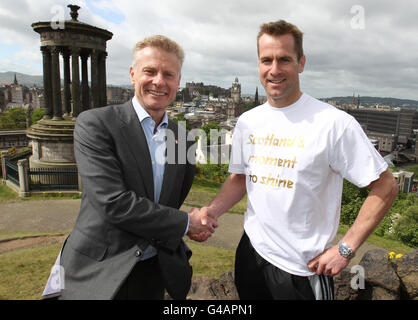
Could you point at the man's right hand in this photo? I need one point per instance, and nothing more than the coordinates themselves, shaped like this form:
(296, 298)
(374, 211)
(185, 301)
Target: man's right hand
(201, 225)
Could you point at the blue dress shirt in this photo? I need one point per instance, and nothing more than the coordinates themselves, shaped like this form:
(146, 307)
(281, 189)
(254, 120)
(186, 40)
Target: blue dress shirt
(157, 148)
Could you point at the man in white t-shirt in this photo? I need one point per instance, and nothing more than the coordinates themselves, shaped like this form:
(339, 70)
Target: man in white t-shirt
(290, 155)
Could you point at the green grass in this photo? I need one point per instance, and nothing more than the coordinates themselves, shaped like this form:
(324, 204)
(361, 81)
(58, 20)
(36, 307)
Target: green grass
(21, 235)
(24, 272)
(7, 194)
(210, 261)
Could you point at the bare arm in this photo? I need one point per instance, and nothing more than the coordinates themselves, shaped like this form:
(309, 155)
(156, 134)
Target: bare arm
(381, 197)
(383, 192)
(231, 192)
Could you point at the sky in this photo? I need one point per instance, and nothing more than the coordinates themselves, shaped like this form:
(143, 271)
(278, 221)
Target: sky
(366, 48)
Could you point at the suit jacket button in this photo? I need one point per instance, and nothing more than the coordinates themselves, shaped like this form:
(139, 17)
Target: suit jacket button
(138, 253)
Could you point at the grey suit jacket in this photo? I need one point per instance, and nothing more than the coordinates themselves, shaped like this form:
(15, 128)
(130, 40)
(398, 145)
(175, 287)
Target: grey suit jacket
(118, 218)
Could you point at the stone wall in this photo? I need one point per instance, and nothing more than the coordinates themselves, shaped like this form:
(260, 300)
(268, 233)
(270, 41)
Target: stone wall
(383, 280)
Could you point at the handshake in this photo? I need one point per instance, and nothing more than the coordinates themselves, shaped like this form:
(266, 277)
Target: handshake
(202, 224)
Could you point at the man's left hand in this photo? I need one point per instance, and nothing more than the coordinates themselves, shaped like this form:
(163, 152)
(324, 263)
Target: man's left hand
(329, 262)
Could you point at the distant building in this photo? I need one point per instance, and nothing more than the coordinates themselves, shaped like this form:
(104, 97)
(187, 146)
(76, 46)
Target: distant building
(194, 87)
(118, 95)
(398, 122)
(15, 95)
(234, 109)
(256, 101)
(10, 138)
(2, 100)
(405, 180)
(37, 96)
(236, 91)
(385, 142)
(16, 92)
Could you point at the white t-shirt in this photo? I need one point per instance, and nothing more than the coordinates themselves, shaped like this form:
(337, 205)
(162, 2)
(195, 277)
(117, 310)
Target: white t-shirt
(295, 159)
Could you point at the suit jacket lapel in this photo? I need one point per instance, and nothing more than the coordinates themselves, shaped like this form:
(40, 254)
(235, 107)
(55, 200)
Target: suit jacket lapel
(134, 136)
(170, 169)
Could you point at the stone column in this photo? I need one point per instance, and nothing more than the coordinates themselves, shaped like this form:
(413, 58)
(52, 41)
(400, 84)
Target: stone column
(4, 156)
(94, 75)
(67, 79)
(85, 91)
(75, 82)
(102, 78)
(22, 167)
(46, 59)
(56, 84)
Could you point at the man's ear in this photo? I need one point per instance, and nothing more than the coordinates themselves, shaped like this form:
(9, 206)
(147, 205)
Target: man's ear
(302, 62)
(132, 75)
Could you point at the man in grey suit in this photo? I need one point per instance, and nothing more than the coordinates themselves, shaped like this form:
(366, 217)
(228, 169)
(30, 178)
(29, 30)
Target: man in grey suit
(127, 241)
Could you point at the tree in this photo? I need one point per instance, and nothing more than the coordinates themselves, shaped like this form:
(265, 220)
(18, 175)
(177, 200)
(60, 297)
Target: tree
(179, 118)
(406, 226)
(14, 118)
(37, 115)
(352, 192)
(210, 126)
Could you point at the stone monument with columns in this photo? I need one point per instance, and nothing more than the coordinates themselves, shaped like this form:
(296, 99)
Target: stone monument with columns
(52, 136)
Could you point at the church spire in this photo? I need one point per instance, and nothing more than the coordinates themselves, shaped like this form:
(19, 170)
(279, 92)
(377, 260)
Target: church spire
(15, 81)
(256, 102)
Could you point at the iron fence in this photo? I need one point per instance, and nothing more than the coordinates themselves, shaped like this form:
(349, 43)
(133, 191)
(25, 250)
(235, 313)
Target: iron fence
(41, 179)
(12, 173)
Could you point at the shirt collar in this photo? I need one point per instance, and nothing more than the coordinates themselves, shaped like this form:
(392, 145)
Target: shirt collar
(143, 114)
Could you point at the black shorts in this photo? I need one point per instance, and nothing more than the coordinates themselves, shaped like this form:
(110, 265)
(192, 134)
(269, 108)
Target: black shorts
(256, 278)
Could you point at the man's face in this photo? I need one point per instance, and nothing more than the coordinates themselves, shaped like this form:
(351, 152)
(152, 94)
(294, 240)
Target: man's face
(156, 78)
(279, 68)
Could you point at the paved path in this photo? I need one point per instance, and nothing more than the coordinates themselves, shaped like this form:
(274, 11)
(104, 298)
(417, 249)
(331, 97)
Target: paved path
(39, 215)
(60, 216)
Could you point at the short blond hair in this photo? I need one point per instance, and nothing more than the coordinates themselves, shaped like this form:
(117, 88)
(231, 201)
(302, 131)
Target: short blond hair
(158, 41)
(279, 28)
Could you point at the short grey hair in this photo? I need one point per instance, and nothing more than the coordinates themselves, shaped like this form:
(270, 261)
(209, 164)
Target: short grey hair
(158, 41)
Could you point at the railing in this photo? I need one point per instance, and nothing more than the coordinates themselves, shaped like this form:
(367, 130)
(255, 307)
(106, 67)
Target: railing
(21, 155)
(41, 179)
(12, 172)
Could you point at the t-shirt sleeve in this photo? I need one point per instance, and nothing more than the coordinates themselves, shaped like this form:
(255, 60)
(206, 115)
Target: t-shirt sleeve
(355, 158)
(236, 160)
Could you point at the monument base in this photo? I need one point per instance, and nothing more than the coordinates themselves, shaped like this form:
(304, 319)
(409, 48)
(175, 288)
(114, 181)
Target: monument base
(52, 143)
(52, 164)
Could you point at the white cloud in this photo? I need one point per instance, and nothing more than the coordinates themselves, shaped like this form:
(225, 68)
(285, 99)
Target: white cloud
(219, 39)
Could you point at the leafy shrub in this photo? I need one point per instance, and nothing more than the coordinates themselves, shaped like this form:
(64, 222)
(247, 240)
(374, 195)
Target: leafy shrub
(351, 201)
(406, 227)
(352, 192)
(384, 226)
(349, 211)
(214, 172)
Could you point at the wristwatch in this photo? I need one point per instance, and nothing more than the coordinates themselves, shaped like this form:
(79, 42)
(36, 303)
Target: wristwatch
(345, 250)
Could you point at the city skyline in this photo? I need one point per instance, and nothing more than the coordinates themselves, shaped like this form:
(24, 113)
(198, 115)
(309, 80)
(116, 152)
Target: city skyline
(362, 47)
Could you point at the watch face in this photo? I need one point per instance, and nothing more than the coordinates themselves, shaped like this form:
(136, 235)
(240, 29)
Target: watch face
(344, 250)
